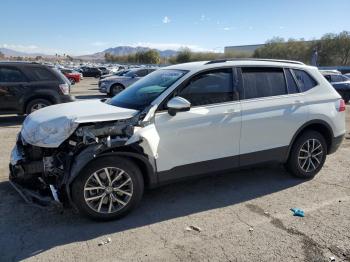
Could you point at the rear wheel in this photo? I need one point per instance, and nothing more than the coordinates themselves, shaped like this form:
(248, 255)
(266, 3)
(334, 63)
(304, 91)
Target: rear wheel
(108, 188)
(308, 155)
(37, 104)
(116, 89)
(72, 81)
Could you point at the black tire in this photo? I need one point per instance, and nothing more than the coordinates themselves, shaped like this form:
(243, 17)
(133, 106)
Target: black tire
(296, 165)
(116, 89)
(72, 81)
(36, 103)
(78, 192)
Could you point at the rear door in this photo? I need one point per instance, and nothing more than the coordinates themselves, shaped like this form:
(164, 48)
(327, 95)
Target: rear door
(272, 111)
(12, 87)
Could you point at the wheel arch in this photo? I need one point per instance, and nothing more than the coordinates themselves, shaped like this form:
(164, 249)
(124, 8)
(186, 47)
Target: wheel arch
(48, 97)
(320, 126)
(115, 84)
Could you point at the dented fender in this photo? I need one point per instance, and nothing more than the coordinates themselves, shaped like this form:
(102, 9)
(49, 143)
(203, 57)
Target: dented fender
(89, 154)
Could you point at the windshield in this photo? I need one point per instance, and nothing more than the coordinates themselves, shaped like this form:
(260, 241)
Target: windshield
(140, 95)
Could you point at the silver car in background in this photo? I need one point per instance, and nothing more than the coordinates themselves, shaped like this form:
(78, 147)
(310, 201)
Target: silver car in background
(114, 84)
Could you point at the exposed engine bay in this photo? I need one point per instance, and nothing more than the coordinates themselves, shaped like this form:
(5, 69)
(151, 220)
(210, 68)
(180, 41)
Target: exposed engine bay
(42, 174)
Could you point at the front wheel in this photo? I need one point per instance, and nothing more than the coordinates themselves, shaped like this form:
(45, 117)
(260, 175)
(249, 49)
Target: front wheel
(108, 188)
(308, 155)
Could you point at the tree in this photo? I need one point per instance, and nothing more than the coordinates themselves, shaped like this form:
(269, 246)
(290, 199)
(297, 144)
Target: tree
(184, 55)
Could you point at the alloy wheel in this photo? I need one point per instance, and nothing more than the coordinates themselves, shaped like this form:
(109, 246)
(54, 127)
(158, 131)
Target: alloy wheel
(310, 155)
(108, 190)
(37, 106)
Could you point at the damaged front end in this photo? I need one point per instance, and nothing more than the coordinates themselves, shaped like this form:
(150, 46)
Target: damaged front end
(43, 175)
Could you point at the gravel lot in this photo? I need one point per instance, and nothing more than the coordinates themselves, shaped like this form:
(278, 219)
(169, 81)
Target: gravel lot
(243, 216)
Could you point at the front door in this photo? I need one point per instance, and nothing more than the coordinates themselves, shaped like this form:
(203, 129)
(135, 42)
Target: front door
(206, 138)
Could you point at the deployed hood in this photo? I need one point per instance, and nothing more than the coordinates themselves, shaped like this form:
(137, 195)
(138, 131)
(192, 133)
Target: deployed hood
(50, 126)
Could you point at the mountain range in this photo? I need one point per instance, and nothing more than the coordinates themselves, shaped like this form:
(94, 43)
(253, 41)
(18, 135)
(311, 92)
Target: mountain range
(117, 51)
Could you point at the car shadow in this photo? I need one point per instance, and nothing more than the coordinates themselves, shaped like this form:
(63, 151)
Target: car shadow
(13, 120)
(27, 231)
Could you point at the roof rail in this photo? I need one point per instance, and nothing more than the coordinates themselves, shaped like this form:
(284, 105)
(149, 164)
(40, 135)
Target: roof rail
(254, 59)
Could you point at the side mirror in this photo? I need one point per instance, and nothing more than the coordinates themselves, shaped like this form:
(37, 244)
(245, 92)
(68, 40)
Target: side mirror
(178, 104)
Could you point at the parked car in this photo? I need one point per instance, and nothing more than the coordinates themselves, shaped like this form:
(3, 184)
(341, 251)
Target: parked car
(115, 84)
(26, 87)
(73, 77)
(104, 70)
(119, 73)
(177, 122)
(91, 72)
(340, 83)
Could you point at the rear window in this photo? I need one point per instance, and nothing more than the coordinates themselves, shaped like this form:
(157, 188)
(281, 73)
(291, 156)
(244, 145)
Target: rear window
(42, 74)
(263, 82)
(305, 81)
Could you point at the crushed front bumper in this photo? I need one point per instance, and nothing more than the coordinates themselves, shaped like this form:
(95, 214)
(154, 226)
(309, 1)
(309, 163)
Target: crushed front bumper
(25, 179)
(34, 198)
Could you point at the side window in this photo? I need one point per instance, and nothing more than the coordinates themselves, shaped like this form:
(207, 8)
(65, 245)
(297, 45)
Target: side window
(305, 81)
(11, 75)
(292, 86)
(263, 82)
(42, 74)
(338, 78)
(211, 87)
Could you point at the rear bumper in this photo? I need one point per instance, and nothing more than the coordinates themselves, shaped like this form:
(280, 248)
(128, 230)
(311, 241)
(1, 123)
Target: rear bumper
(335, 144)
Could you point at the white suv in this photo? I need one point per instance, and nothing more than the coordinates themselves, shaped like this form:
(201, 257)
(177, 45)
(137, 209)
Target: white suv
(179, 121)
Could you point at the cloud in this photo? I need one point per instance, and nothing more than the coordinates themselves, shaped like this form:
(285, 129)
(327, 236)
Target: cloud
(227, 28)
(166, 20)
(173, 46)
(22, 48)
(100, 43)
(202, 17)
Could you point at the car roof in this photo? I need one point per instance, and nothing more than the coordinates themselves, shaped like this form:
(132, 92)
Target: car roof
(20, 63)
(197, 66)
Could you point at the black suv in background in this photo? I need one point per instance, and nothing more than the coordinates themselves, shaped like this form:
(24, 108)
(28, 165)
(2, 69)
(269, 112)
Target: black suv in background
(26, 87)
(91, 72)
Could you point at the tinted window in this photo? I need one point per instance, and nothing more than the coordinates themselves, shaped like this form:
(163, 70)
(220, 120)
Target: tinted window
(142, 72)
(42, 74)
(11, 75)
(209, 88)
(292, 86)
(262, 82)
(305, 81)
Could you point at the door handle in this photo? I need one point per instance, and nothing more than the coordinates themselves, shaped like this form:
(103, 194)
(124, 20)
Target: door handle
(298, 102)
(231, 111)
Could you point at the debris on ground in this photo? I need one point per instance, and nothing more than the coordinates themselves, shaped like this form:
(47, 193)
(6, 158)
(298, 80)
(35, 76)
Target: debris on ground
(251, 229)
(297, 212)
(193, 228)
(108, 240)
(332, 259)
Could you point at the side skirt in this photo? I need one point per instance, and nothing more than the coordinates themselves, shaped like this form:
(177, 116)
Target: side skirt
(221, 165)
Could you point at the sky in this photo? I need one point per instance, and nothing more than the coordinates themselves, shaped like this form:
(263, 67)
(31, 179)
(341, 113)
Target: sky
(78, 27)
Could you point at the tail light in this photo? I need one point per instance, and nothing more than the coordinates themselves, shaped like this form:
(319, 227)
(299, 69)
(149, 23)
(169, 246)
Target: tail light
(342, 106)
(64, 89)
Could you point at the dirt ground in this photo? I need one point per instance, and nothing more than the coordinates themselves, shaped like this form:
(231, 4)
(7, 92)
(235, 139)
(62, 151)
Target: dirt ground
(243, 216)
